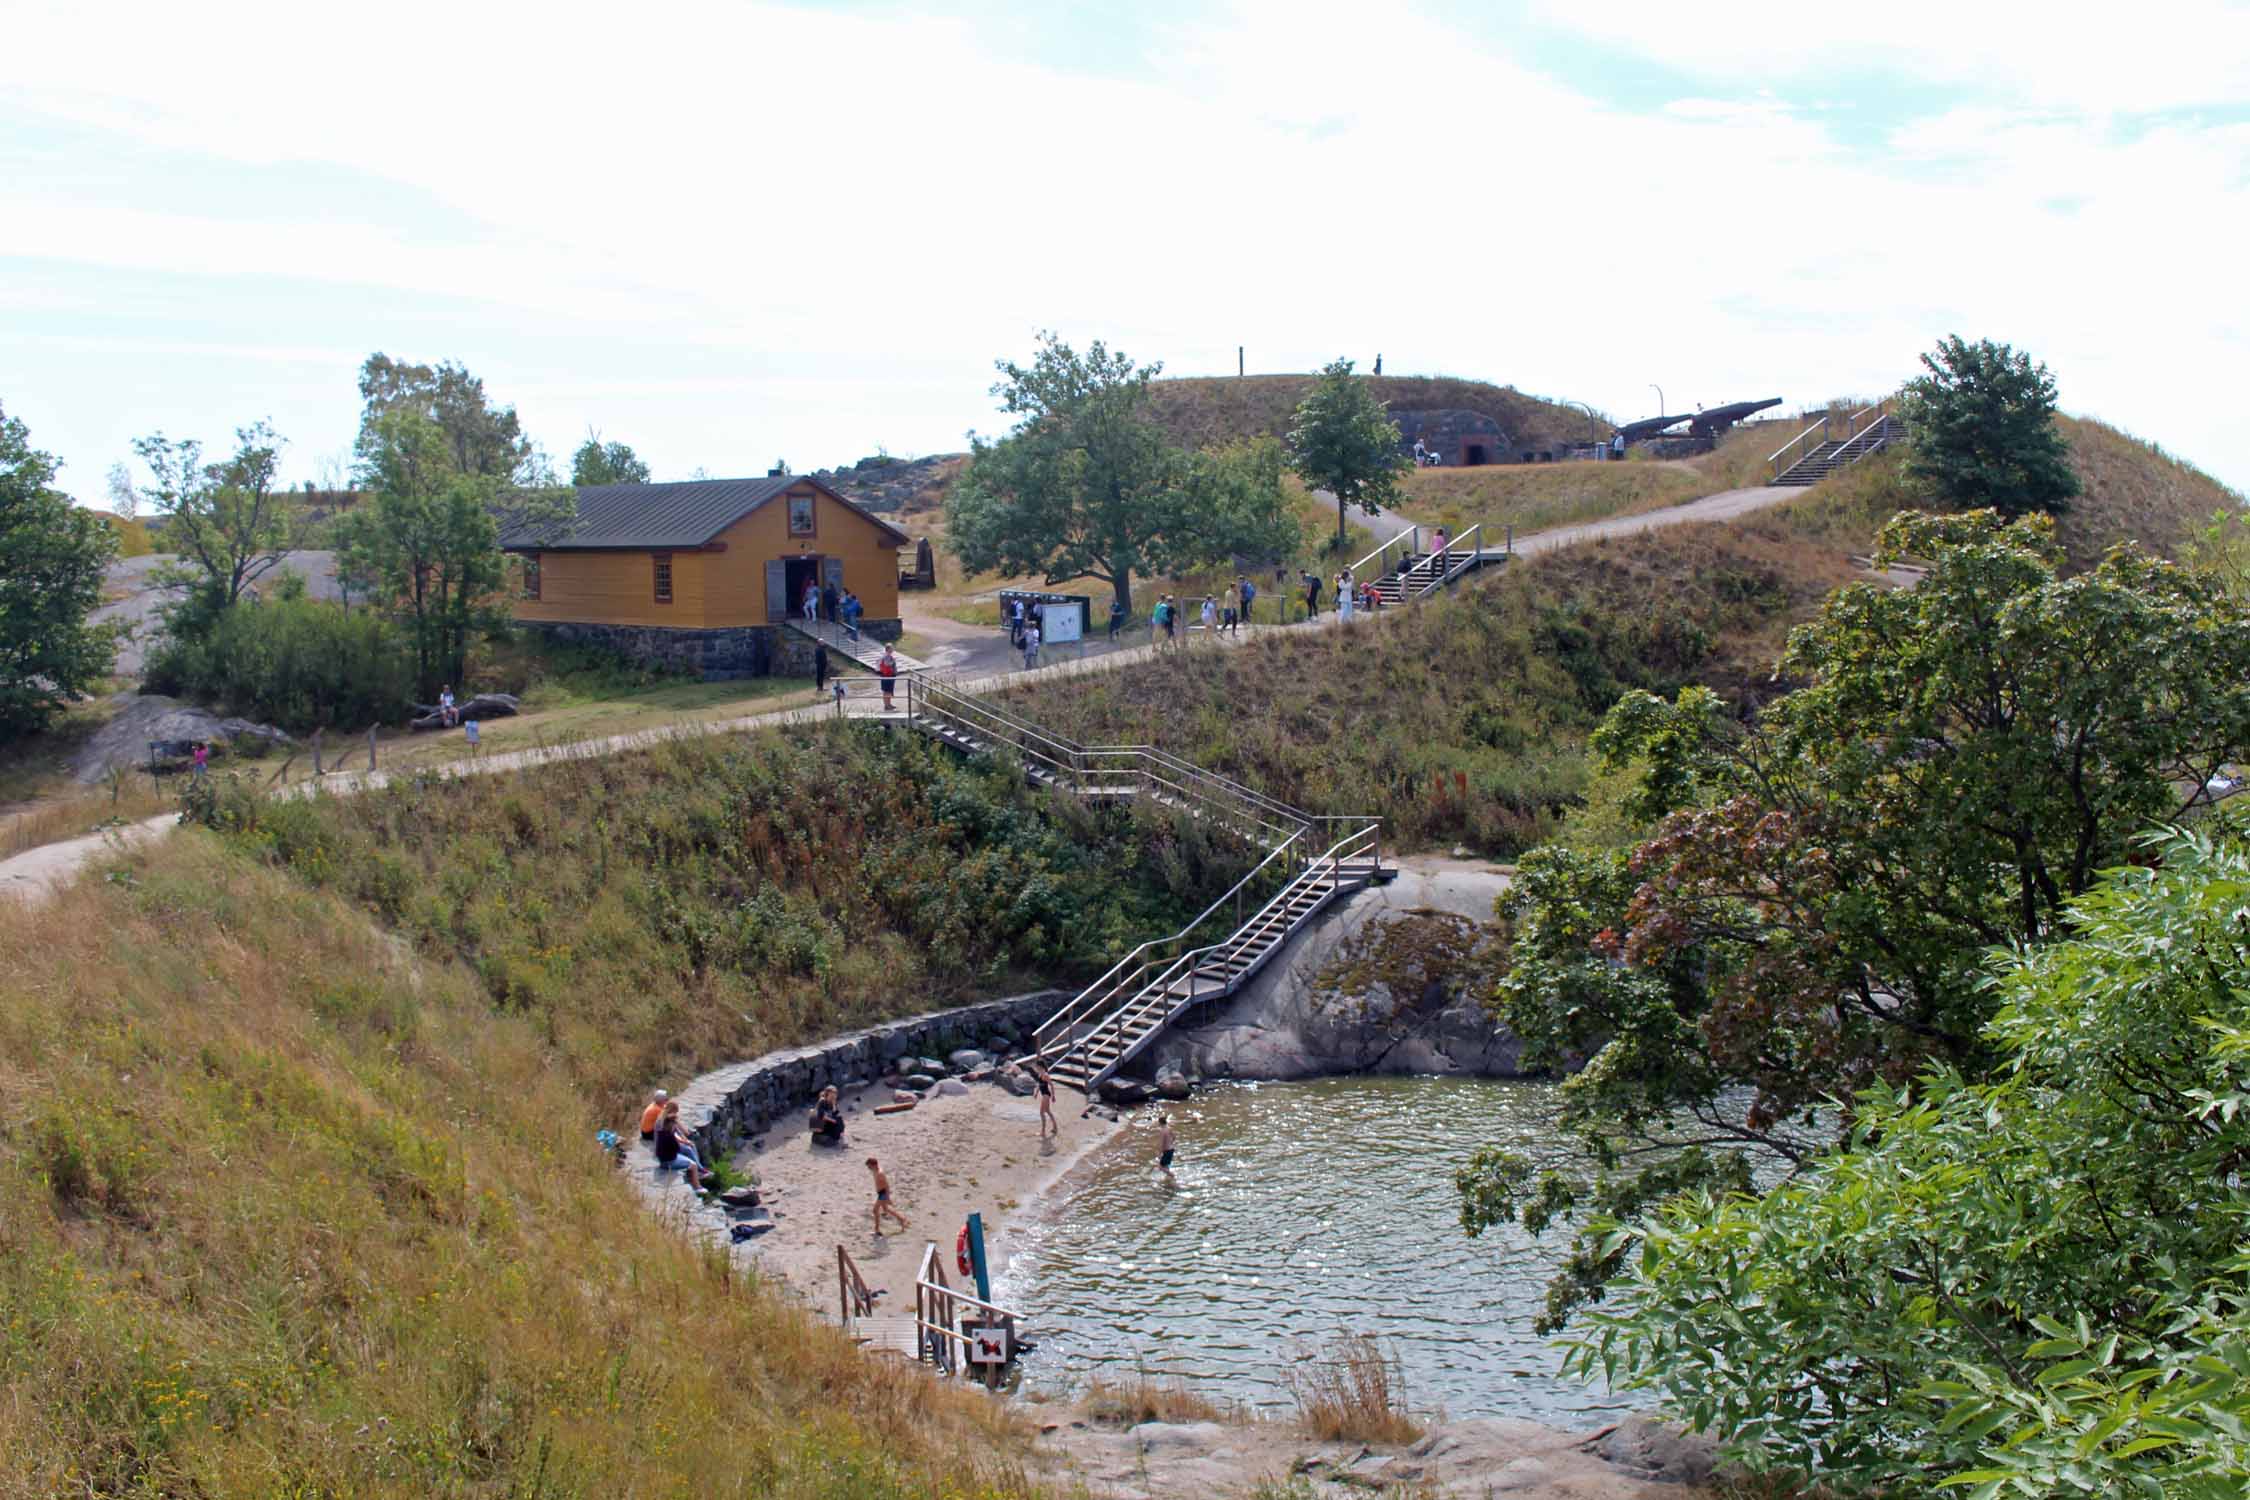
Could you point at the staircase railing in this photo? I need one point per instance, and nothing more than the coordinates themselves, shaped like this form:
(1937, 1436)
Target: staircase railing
(1385, 560)
(1146, 971)
(1457, 557)
(1800, 447)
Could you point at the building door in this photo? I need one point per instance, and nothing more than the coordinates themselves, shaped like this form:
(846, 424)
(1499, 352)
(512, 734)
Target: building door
(801, 571)
(1474, 454)
(777, 589)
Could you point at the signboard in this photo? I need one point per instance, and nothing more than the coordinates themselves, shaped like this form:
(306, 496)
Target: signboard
(1062, 622)
(988, 1343)
(1049, 610)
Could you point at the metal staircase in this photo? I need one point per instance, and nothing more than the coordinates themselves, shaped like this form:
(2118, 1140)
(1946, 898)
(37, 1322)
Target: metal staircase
(1834, 443)
(1310, 861)
(1402, 572)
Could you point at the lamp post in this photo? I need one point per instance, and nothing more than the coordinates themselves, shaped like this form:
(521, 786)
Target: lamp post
(1652, 385)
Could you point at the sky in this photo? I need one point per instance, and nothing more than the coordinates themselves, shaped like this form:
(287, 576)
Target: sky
(729, 233)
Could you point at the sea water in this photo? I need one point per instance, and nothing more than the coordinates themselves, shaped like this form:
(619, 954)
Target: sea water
(1295, 1212)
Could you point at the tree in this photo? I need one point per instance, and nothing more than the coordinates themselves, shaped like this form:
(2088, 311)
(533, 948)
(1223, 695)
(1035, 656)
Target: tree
(1344, 442)
(425, 544)
(1807, 919)
(1981, 430)
(51, 559)
(124, 500)
(226, 521)
(2031, 1283)
(481, 439)
(1088, 487)
(597, 462)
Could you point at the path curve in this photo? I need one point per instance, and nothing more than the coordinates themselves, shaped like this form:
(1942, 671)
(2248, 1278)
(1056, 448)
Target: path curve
(38, 873)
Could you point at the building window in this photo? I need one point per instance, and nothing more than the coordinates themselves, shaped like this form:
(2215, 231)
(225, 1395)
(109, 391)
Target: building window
(801, 515)
(531, 575)
(663, 562)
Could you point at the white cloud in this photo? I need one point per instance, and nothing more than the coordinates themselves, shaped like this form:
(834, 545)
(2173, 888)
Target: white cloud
(861, 212)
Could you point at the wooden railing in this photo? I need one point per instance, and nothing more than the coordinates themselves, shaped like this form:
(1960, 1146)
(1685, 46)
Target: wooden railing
(946, 1322)
(853, 1299)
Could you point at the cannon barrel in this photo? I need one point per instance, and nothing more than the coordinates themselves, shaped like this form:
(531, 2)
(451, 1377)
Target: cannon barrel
(1719, 418)
(1649, 427)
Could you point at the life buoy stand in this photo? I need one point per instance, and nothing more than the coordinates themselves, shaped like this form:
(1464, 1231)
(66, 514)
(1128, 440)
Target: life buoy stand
(961, 1253)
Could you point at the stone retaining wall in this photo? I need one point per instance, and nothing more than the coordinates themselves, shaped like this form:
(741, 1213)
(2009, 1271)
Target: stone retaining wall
(715, 655)
(723, 1109)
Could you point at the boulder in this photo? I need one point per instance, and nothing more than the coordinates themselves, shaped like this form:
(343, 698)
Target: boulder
(891, 1045)
(1649, 1449)
(1014, 1080)
(952, 1086)
(920, 1083)
(931, 1066)
(967, 1060)
(1174, 1086)
(1126, 1091)
(152, 718)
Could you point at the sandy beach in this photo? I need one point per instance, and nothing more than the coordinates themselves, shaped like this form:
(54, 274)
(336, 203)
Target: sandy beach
(950, 1156)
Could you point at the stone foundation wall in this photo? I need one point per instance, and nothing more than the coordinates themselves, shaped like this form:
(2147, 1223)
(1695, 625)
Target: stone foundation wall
(720, 655)
(725, 1108)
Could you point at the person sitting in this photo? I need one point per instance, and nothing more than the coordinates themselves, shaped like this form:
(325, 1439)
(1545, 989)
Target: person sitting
(447, 711)
(827, 1119)
(673, 1149)
(652, 1114)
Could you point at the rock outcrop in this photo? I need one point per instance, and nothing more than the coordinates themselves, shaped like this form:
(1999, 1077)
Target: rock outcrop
(1287, 1022)
(152, 718)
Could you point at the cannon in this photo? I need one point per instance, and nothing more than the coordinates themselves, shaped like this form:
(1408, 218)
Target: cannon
(1709, 424)
(1648, 427)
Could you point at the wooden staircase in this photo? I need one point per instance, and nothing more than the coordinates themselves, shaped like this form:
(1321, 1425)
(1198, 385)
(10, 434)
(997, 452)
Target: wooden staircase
(1834, 443)
(1113, 1019)
(866, 650)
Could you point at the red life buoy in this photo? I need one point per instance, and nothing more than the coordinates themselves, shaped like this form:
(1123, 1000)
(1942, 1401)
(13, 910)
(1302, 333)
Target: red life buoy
(961, 1252)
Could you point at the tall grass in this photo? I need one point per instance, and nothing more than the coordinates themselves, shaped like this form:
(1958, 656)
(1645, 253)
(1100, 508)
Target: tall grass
(1534, 497)
(1353, 1392)
(663, 911)
(1462, 720)
(288, 1210)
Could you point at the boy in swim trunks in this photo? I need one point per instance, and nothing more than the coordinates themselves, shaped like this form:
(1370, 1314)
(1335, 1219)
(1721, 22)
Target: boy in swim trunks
(1165, 1141)
(883, 1198)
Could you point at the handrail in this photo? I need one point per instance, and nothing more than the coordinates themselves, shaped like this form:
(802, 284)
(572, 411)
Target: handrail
(853, 1299)
(1441, 570)
(1072, 1013)
(1854, 430)
(1412, 536)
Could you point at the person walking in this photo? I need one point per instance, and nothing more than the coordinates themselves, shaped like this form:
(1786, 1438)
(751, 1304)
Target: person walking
(1031, 645)
(1164, 616)
(202, 757)
(1116, 619)
(1312, 595)
(1210, 617)
(854, 607)
(829, 599)
(883, 1198)
(811, 603)
(820, 667)
(1344, 599)
(886, 669)
(1166, 1141)
(1249, 595)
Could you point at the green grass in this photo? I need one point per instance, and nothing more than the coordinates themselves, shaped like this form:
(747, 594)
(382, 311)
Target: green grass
(298, 1190)
(1534, 497)
(1463, 720)
(1202, 412)
(287, 1210)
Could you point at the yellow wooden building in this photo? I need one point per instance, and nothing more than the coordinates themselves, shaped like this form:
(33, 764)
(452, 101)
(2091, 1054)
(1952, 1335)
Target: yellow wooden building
(702, 574)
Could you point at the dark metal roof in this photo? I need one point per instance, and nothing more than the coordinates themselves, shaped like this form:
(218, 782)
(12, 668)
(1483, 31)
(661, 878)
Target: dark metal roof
(687, 514)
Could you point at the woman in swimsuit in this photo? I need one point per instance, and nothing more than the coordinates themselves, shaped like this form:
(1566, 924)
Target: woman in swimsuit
(1045, 1088)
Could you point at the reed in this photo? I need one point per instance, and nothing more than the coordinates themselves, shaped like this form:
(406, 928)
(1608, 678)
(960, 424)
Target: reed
(1354, 1392)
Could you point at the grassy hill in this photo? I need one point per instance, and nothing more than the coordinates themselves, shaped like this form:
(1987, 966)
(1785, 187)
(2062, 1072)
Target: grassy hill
(298, 1188)
(2133, 491)
(1204, 411)
(1463, 720)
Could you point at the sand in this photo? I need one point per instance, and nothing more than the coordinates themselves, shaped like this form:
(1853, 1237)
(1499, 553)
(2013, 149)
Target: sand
(951, 1155)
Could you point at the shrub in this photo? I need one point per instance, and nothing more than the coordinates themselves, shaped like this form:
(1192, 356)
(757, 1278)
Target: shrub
(297, 662)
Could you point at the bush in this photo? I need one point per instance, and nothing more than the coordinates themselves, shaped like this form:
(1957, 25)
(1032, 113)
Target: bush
(297, 662)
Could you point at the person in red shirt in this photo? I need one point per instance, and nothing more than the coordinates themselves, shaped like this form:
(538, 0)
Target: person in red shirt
(887, 669)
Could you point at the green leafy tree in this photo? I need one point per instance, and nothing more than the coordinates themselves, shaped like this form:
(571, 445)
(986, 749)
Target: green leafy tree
(425, 544)
(1344, 442)
(2031, 1284)
(1981, 430)
(51, 559)
(1807, 919)
(597, 462)
(1088, 487)
(227, 521)
(482, 440)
